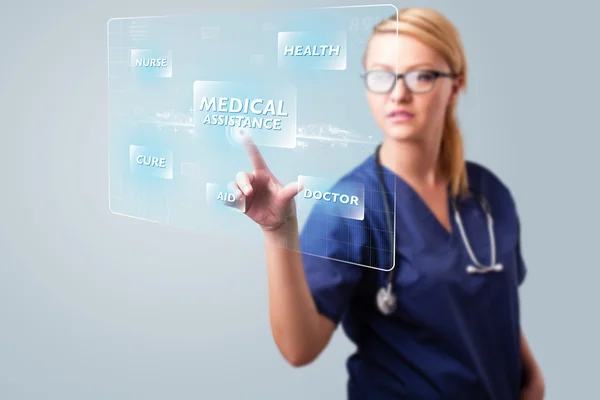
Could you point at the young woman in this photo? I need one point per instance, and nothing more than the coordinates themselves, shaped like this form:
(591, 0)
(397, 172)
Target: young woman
(452, 331)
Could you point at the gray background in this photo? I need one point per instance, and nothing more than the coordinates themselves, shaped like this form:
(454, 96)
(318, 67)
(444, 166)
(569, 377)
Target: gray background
(97, 306)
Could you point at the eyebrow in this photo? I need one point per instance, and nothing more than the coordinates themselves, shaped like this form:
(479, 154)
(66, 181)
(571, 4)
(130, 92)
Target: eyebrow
(410, 67)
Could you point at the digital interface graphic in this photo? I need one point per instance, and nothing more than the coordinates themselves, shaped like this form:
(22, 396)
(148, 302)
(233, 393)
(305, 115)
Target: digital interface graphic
(183, 88)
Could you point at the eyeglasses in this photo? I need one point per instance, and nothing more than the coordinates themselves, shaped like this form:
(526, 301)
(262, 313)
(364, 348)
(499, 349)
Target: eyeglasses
(420, 81)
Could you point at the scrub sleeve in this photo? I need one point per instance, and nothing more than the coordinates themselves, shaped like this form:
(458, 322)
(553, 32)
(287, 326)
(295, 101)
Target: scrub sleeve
(328, 243)
(521, 267)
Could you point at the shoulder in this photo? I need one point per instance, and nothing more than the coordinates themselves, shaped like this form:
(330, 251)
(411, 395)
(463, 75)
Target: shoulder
(487, 183)
(483, 180)
(480, 175)
(365, 172)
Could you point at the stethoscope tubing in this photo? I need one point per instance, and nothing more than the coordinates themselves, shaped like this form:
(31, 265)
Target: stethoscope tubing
(386, 299)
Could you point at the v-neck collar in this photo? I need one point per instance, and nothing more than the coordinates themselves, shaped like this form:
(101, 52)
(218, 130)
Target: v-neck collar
(415, 212)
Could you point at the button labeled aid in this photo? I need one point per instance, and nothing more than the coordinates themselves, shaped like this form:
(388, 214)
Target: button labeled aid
(223, 195)
(226, 197)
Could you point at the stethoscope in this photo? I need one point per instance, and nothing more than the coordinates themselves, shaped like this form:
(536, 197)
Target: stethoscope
(386, 299)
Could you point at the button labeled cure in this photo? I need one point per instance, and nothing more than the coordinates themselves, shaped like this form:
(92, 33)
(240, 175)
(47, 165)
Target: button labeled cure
(150, 162)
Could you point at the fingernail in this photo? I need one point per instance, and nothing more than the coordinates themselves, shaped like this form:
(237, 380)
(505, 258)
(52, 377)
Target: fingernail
(247, 188)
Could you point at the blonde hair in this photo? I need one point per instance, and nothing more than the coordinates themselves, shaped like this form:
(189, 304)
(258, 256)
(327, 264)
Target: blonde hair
(435, 30)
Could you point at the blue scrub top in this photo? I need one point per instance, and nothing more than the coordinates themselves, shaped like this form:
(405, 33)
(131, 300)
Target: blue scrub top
(453, 335)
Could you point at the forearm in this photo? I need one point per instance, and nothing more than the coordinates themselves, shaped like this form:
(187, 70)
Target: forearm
(532, 373)
(298, 328)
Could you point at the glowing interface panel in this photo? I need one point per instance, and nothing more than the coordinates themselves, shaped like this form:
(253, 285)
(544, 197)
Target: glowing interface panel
(184, 89)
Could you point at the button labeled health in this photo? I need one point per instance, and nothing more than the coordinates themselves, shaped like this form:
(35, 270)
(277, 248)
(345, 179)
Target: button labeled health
(310, 50)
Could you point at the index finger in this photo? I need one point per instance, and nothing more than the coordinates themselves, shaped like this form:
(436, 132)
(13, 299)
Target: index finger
(256, 159)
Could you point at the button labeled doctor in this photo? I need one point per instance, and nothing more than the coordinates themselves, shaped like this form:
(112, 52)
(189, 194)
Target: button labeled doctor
(331, 196)
(342, 199)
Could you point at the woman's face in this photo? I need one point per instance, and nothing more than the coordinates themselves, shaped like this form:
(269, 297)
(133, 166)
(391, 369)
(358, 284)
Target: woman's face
(402, 114)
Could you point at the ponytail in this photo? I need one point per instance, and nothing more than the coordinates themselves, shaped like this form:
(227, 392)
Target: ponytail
(451, 158)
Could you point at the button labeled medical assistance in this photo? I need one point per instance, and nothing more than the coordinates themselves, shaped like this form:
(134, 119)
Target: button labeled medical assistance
(150, 162)
(342, 199)
(267, 109)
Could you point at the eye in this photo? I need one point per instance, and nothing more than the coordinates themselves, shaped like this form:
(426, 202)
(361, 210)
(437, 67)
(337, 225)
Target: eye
(425, 76)
(380, 75)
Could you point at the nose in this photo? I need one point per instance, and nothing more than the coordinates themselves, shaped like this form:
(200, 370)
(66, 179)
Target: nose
(400, 92)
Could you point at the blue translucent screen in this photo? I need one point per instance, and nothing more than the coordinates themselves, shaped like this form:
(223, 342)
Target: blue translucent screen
(291, 79)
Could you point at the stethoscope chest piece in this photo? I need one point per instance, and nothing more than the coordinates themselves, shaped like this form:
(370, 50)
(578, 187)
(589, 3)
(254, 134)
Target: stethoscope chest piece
(386, 300)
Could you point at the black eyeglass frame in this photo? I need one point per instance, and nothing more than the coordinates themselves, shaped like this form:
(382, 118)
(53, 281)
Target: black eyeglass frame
(435, 73)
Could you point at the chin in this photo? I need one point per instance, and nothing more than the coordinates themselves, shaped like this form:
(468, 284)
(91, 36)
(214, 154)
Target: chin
(401, 132)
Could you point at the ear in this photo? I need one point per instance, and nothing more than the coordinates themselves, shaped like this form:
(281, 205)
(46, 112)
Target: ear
(457, 85)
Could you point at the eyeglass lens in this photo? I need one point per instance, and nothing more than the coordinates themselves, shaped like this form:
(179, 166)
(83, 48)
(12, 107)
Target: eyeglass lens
(384, 81)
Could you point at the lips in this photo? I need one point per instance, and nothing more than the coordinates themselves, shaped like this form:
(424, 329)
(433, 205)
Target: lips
(400, 116)
(400, 113)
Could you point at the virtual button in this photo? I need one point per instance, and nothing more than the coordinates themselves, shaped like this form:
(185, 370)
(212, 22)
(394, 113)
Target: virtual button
(145, 161)
(218, 196)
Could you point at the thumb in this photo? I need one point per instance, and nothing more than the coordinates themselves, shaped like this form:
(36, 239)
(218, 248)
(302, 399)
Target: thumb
(290, 190)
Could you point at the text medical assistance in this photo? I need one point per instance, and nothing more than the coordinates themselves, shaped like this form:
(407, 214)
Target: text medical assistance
(266, 113)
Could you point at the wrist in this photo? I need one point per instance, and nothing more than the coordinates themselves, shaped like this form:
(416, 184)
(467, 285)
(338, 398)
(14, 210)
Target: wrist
(284, 235)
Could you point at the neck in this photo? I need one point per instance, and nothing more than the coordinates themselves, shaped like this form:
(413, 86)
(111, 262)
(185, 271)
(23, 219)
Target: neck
(414, 161)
